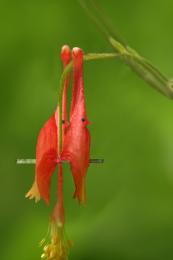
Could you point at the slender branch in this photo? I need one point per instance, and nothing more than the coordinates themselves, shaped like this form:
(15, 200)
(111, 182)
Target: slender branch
(93, 17)
(105, 21)
(141, 66)
(67, 70)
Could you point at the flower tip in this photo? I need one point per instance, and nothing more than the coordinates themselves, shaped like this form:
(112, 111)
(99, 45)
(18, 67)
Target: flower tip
(66, 53)
(77, 51)
(65, 48)
(77, 55)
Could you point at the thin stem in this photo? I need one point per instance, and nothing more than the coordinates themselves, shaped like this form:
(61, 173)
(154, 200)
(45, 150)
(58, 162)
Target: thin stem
(105, 21)
(141, 66)
(93, 17)
(67, 70)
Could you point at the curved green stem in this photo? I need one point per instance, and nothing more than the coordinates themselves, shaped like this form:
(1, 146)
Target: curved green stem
(67, 70)
(140, 65)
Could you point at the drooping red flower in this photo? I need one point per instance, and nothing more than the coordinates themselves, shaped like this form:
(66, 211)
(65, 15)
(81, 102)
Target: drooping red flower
(76, 138)
(47, 145)
(76, 148)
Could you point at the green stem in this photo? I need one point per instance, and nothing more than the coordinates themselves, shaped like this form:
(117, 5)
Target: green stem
(141, 66)
(67, 70)
(97, 15)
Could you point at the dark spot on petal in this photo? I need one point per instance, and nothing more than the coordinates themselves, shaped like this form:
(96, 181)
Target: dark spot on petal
(63, 121)
(83, 119)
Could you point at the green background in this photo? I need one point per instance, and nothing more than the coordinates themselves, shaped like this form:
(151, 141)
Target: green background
(129, 211)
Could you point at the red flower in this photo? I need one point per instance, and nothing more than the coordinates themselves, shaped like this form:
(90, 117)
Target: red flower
(75, 150)
(76, 137)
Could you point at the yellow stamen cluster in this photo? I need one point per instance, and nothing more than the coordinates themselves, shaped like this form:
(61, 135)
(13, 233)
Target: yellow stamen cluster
(59, 246)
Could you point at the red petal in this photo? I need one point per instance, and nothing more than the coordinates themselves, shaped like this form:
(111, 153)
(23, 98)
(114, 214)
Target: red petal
(77, 140)
(46, 155)
(47, 144)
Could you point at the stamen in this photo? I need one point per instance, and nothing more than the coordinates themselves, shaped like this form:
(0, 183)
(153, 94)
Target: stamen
(58, 247)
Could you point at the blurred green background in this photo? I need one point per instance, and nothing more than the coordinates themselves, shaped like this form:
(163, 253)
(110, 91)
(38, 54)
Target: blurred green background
(129, 212)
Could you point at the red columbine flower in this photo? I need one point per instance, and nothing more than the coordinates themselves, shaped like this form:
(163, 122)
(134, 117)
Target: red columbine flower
(76, 137)
(75, 150)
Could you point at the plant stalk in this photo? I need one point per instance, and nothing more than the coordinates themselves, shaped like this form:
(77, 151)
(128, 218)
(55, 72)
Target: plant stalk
(141, 66)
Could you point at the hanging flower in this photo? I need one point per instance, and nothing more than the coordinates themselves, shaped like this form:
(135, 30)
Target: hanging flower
(75, 149)
(76, 137)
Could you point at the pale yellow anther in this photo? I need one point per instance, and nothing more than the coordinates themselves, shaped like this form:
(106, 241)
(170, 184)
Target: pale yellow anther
(47, 248)
(54, 240)
(43, 256)
(42, 242)
(53, 253)
(59, 247)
